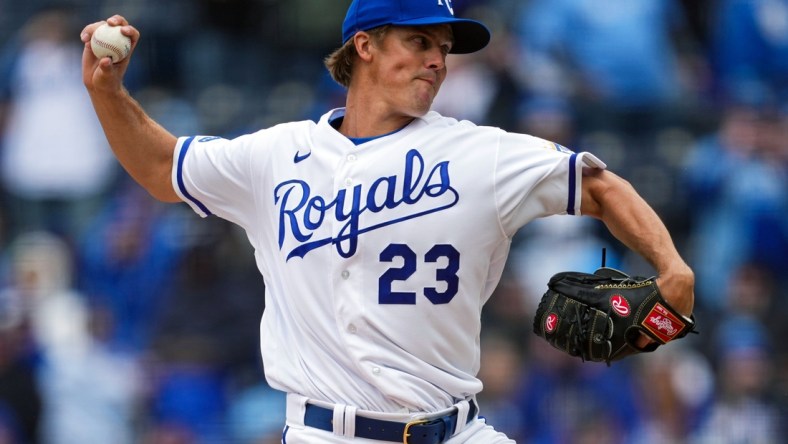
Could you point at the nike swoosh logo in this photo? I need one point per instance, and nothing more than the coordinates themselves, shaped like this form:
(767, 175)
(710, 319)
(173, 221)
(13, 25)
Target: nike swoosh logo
(299, 157)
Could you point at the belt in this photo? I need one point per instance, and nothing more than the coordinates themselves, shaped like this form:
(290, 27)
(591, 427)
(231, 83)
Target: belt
(419, 431)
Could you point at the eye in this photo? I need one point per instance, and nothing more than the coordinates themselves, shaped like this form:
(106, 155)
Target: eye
(420, 40)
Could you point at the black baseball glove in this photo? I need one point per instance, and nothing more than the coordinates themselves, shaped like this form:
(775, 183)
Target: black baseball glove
(600, 316)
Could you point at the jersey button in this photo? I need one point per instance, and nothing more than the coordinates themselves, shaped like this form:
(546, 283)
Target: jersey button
(352, 328)
(376, 370)
(345, 274)
(351, 158)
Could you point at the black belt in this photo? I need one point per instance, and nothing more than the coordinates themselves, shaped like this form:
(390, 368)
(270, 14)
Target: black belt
(420, 431)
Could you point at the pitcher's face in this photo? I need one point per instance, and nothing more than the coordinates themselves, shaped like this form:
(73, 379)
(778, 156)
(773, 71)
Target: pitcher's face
(410, 67)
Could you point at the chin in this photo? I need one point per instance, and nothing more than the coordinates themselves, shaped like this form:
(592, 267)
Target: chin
(422, 103)
(422, 108)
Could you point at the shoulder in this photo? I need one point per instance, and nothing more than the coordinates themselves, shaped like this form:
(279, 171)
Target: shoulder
(434, 120)
(533, 142)
(253, 140)
(465, 128)
(290, 127)
(265, 136)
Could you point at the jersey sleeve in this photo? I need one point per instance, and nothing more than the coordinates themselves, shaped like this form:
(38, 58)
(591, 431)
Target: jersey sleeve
(536, 178)
(214, 176)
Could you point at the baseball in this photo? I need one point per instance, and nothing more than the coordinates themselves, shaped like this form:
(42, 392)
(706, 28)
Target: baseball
(108, 41)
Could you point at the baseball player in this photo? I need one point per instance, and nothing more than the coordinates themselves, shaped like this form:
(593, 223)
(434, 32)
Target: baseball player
(382, 229)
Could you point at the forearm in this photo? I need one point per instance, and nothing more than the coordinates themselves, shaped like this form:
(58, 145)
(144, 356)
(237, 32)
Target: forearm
(142, 146)
(633, 222)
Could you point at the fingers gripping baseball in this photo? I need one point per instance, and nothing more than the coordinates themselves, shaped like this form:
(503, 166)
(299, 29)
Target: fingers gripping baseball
(100, 73)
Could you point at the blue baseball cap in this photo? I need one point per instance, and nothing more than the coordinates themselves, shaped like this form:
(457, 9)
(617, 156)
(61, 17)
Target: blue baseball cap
(363, 15)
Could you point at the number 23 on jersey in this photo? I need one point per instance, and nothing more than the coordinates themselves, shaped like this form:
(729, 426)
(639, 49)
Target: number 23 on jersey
(410, 261)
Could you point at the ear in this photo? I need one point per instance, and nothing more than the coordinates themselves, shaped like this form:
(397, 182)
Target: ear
(363, 43)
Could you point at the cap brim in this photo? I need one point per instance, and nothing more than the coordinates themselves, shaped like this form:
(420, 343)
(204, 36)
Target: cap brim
(469, 35)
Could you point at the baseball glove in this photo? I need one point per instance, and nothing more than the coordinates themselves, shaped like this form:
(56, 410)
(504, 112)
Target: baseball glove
(600, 316)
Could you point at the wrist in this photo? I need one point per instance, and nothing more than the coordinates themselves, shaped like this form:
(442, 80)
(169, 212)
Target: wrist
(680, 272)
(677, 287)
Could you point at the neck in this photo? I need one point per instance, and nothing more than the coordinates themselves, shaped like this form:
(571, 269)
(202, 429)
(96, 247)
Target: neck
(367, 118)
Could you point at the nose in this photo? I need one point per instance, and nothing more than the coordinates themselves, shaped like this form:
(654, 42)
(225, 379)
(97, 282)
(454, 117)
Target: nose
(436, 59)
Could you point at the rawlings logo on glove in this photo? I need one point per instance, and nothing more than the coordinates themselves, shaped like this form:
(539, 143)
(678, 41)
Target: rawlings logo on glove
(599, 317)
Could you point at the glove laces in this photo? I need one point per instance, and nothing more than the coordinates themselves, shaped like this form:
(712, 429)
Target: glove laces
(580, 339)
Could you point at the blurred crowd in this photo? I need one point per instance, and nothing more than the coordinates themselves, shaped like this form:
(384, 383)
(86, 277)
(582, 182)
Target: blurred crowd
(124, 320)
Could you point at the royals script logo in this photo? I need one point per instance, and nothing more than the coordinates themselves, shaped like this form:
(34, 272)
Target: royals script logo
(413, 192)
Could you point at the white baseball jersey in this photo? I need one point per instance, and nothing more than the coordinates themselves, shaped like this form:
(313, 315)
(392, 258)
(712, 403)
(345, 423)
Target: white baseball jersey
(378, 257)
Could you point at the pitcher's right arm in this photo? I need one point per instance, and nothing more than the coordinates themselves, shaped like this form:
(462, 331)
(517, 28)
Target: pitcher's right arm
(142, 146)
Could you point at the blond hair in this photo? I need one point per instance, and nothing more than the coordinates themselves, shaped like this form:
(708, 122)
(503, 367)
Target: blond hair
(340, 62)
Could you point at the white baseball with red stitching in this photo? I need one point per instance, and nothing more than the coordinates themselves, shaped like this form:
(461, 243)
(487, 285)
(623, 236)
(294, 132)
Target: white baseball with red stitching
(108, 41)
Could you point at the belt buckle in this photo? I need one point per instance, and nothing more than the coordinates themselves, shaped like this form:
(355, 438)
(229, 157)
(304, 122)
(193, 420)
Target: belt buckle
(406, 432)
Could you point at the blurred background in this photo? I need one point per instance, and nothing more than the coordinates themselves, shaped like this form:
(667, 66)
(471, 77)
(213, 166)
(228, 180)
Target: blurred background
(123, 320)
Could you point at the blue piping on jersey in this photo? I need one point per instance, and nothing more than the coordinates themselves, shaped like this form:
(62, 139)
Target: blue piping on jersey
(336, 120)
(361, 140)
(179, 174)
(570, 205)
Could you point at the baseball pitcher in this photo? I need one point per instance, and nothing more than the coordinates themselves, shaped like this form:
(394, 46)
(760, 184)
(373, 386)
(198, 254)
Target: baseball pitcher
(382, 229)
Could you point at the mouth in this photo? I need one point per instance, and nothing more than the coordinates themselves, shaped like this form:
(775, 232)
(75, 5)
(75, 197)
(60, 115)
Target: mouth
(430, 80)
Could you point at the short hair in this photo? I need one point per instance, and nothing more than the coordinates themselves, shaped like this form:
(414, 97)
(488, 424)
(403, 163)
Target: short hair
(340, 62)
